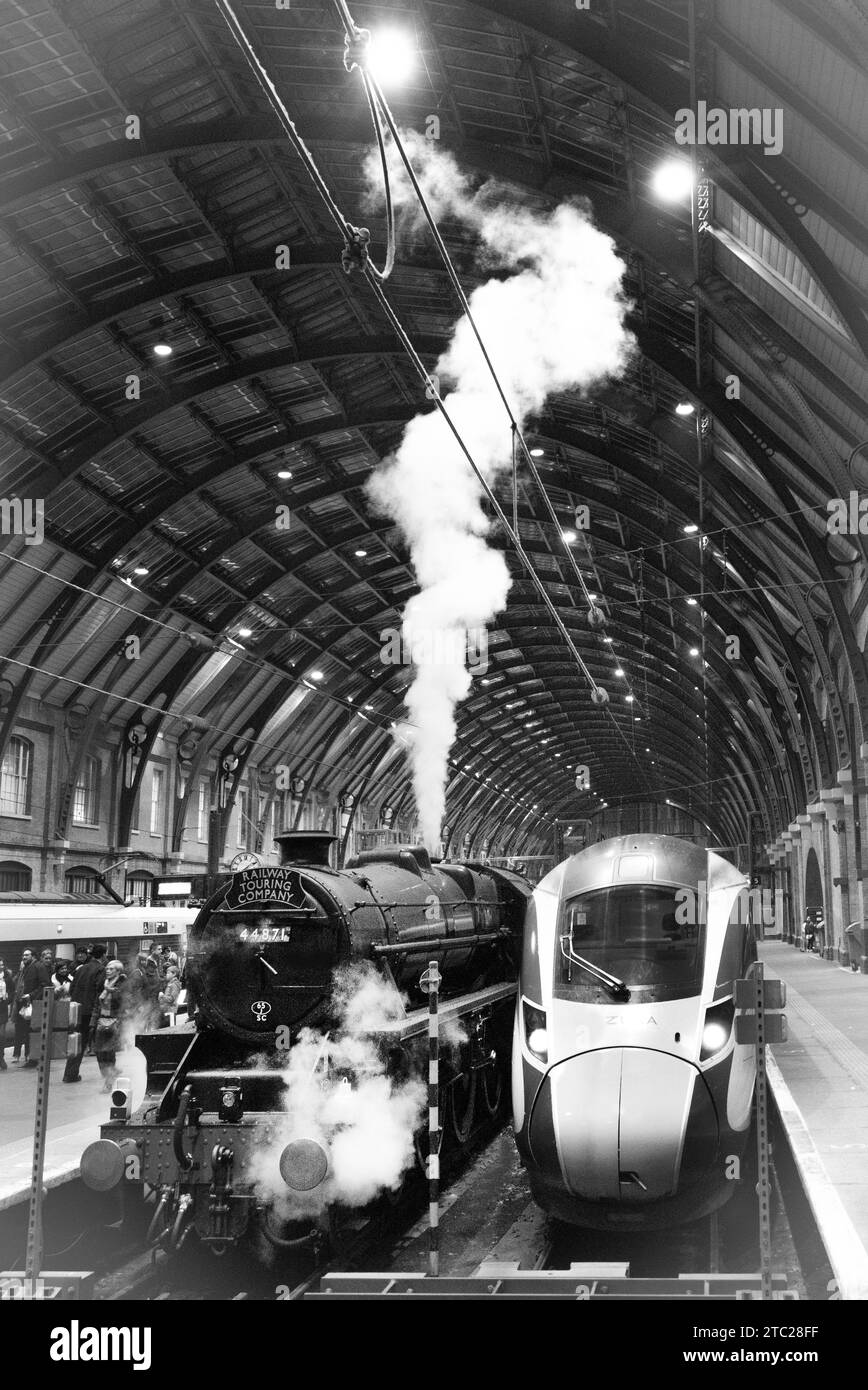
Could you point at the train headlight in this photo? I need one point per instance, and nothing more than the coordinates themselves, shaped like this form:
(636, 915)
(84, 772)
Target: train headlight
(716, 1030)
(535, 1032)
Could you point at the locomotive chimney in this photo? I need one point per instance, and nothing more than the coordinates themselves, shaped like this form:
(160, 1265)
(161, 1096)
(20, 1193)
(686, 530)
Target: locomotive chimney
(305, 847)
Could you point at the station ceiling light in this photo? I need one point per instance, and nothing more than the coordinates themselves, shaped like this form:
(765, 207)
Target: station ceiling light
(569, 536)
(317, 675)
(163, 350)
(685, 408)
(141, 570)
(285, 474)
(690, 529)
(537, 453)
(391, 56)
(694, 651)
(672, 180)
(360, 554)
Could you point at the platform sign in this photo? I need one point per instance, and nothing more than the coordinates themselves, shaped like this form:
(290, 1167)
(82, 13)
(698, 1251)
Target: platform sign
(774, 1028)
(774, 996)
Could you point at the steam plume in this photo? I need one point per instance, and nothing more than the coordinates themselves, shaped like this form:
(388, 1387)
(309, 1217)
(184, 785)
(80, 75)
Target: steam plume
(363, 1118)
(555, 323)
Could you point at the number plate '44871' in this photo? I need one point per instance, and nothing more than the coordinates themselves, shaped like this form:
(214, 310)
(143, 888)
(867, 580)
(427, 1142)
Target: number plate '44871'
(265, 933)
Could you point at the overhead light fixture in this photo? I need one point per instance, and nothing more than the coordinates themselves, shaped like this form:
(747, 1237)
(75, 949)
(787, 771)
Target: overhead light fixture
(685, 408)
(317, 675)
(610, 640)
(391, 56)
(672, 180)
(568, 536)
(537, 453)
(692, 602)
(592, 597)
(694, 651)
(360, 554)
(629, 699)
(618, 671)
(284, 473)
(245, 632)
(369, 706)
(141, 569)
(690, 529)
(163, 350)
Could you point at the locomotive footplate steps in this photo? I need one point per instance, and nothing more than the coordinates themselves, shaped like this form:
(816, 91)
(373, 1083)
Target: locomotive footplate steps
(579, 1283)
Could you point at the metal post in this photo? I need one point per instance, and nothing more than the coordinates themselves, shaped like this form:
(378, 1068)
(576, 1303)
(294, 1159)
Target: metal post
(433, 1119)
(34, 1218)
(762, 1139)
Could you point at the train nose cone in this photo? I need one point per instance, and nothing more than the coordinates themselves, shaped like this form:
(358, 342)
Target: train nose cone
(620, 1118)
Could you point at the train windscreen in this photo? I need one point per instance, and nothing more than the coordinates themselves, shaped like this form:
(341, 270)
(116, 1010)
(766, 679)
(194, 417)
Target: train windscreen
(628, 945)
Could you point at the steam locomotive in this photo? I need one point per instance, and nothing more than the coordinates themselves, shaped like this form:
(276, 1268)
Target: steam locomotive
(632, 1100)
(263, 955)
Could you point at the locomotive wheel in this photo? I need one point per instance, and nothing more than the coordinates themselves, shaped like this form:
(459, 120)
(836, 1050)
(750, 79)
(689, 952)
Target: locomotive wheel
(492, 1088)
(462, 1105)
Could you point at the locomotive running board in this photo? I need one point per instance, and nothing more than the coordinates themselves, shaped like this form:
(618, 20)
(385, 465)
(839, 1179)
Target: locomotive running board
(579, 1283)
(415, 1023)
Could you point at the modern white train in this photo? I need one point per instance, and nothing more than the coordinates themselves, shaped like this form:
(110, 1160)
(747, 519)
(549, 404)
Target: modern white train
(632, 1100)
(65, 921)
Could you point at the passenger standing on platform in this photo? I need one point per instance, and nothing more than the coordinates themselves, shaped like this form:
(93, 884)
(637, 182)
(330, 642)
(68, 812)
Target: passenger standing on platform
(106, 1025)
(82, 956)
(144, 989)
(32, 980)
(168, 995)
(7, 990)
(62, 980)
(85, 991)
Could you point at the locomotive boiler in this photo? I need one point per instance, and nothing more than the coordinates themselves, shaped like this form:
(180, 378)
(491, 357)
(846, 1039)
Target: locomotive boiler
(264, 952)
(632, 1100)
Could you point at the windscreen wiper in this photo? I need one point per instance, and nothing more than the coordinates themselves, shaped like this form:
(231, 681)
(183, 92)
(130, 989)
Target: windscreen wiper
(616, 987)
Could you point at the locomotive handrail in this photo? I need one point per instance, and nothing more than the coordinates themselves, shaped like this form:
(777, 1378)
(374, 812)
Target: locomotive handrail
(439, 943)
(185, 1160)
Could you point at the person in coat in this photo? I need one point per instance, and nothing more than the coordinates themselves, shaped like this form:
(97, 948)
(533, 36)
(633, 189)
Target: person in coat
(168, 996)
(33, 977)
(143, 993)
(7, 991)
(85, 991)
(107, 1020)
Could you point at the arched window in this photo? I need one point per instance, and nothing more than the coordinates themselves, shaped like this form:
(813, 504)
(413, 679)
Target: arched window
(140, 887)
(15, 878)
(81, 879)
(16, 780)
(85, 800)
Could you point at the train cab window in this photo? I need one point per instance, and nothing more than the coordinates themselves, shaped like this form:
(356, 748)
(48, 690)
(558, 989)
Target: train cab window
(634, 936)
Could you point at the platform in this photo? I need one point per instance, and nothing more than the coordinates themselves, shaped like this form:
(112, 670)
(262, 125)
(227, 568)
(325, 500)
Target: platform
(819, 1078)
(75, 1113)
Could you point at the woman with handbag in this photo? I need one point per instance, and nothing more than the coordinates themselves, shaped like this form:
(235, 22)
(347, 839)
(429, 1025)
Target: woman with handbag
(106, 1024)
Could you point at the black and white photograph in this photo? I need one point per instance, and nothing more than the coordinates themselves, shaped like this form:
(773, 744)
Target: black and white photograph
(433, 677)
